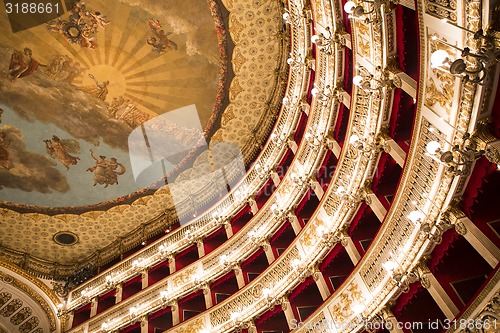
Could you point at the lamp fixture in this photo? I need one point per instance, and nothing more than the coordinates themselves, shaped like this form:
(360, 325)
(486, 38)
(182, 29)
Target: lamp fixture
(357, 11)
(370, 83)
(328, 238)
(299, 179)
(292, 18)
(238, 324)
(61, 310)
(433, 232)
(262, 172)
(458, 160)
(326, 43)
(367, 146)
(278, 210)
(294, 62)
(402, 279)
(322, 95)
(351, 200)
(278, 140)
(472, 66)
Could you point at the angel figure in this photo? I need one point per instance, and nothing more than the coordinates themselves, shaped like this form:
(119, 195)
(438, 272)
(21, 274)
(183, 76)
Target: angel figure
(105, 171)
(61, 149)
(160, 41)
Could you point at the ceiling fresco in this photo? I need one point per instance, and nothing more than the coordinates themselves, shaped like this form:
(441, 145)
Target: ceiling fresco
(73, 89)
(192, 78)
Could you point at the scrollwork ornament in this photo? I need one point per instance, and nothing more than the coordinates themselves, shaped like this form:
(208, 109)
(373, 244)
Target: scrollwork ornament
(7, 279)
(59, 290)
(460, 228)
(425, 282)
(492, 154)
(396, 81)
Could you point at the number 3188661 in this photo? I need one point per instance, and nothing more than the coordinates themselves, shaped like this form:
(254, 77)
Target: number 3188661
(31, 8)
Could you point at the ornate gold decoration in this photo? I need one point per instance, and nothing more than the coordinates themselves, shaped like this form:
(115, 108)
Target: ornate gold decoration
(37, 298)
(440, 84)
(185, 277)
(195, 326)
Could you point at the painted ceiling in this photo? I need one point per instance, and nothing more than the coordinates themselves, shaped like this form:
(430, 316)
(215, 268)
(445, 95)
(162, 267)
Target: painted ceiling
(75, 88)
(70, 152)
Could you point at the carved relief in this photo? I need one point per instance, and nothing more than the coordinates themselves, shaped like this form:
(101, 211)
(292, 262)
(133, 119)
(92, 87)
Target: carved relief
(440, 84)
(444, 9)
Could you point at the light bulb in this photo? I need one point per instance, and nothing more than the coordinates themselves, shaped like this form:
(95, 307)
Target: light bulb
(289, 61)
(314, 91)
(439, 58)
(353, 139)
(314, 39)
(235, 316)
(349, 7)
(390, 266)
(433, 147)
(416, 216)
(357, 80)
(320, 230)
(286, 16)
(223, 258)
(358, 308)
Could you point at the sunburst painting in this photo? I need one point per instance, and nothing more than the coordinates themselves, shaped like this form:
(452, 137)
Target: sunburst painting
(74, 87)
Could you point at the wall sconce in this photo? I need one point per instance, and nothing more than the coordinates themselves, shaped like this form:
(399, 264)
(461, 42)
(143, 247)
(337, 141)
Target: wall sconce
(367, 81)
(279, 140)
(164, 297)
(61, 310)
(262, 172)
(329, 238)
(419, 218)
(402, 279)
(292, 18)
(84, 294)
(351, 200)
(293, 62)
(358, 12)
(299, 179)
(109, 281)
(219, 219)
(485, 57)
(323, 95)
(105, 327)
(255, 236)
(367, 146)
(238, 324)
(199, 281)
(278, 210)
(302, 272)
(458, 160)
(316, 140)
(226, 262)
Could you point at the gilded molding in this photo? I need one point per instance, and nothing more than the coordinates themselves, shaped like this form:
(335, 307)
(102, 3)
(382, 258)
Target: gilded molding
(36, 297)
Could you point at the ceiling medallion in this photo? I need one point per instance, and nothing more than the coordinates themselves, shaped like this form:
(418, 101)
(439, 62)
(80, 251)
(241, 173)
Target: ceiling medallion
(65, 238)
